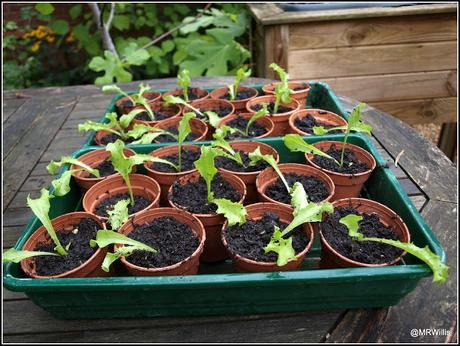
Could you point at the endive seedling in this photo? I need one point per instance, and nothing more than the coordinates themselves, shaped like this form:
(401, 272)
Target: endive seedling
(183, 79)
(212, 117)
(256, 156)
(282, 90)
(295, 142)
(241, 74)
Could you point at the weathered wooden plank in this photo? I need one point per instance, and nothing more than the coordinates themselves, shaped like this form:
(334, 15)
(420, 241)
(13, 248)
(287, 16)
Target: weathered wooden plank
(418, 201)
(39, 169)
(54, 153)
(436, 110)
(19, 201)
(36, 183)
(270, 13)
(16, 217)
(10, 295)
(19, 162)
(67, 143)
(395, 87)
(448, 139)
(307, 326)
(89, 114)
(357, 61)
(373, 31)
(276, 41)
(11, 235)
(10, 106)
(409, 186)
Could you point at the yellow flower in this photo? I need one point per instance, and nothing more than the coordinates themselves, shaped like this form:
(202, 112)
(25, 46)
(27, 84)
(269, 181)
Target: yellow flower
(50, 39)
(35, 46)
(70, 38)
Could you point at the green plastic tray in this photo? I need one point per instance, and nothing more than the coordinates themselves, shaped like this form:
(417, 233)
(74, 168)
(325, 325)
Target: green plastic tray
(217, 290)
(320, 96)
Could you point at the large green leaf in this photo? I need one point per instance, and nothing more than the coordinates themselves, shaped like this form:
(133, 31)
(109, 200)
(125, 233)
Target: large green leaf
(60, 26)
(121, 22)
(134, 55)
(114, 69)
(44, 8)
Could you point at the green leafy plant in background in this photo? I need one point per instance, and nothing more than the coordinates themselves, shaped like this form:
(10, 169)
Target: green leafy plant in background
(440, 270)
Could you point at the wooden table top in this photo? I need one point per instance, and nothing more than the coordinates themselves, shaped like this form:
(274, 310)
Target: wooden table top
(41, 124)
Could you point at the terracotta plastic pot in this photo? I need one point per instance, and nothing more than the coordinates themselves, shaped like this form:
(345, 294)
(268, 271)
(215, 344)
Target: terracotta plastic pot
(64, 223)
(214, 250)
(255, 212)
(269, 176)
(280, 120)
(238, 104)
(199, 127)
(300, 95)
(203, 94)
(188, 266)
(346, 185)
(249, 178)
(150, 95)
(163, 178)
(173, 111)
(93, 159)
(141, 185)
(320, 115)
(98, 137)
(330, 258)
(265, 122)
(209, 105)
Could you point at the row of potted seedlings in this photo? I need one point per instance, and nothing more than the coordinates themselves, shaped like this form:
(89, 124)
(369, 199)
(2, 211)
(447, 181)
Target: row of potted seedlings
(229, 198)
(209, 217)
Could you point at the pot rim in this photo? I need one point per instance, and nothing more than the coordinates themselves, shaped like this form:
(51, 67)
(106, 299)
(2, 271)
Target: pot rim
(266, 87)
(303, 111)
(213, 93)
(246, 115)
(272, 99)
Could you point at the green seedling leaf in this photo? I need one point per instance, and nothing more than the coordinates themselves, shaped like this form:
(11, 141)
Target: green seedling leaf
(62, 184)
(147, 134)
(16, 256)
(231, 91)
(259, 114)
(126, 119)
(40, 207)
(119, 214)
(355, 123)
(282, 90)
(183, 79)
(222, 147)
(440, 270)
(54, 166)
(256, 156)
(222, 132)
(213, 118)
(283, 247)
(206, 168)
(299, 198)
(234, 212)
(171, 99)
(112, 126)
(115, 89)
(184, 130)
(295, 142)
(240, 75)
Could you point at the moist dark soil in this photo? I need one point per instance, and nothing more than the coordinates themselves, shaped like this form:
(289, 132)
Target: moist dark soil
(112, 137)
(228, 164)
(160, 114)
(105, 169)
(337, 236)
(241, 95)
(168, 139)
(108, 203)
(351, 165)
(315, 188)
(271, 108)
(128, 103)
(250, 239)
(307, 123)
(301, 87)
(78, 253)
(193, 94)
(193, 196)
(188, 158)
(220, 111)
(255, 130)
(173, 240)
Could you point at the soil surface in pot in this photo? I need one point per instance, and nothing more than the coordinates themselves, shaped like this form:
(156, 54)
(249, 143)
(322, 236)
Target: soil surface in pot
(79, 251)
(188, 158)
(220, 111)
(193, 94)
(140, 203)
(112, 138)
(168, 139)
(241, 95)
(255, 130)
(307, 123)
(230, 165)
(315, 188)
(173, 240)
(105, 169)
(160, 114)
(193, 196)
(301, 87)
(271, 108)
(351, 165)
(250, 239)
(370, 252)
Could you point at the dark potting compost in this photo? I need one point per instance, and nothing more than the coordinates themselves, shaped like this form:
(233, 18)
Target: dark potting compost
(241, 95)
(192, 196)
(220, 111)
(337, 236)
(250, 239)
(78, 253)
(351, 165)
(159, 114)
(188, 158)
(168, 138)
(271, 108)
(140, 203)
(307, 123)
(255, 130)
(112, 138)
(231, 165)
(105, 169)
(173, 240)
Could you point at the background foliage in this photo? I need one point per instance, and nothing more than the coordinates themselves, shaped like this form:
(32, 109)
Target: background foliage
(69, 52)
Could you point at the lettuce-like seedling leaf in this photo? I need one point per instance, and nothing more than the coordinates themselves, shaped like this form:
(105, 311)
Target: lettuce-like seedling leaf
(295, 142)
(206, 168)
(119, 214)
(146, 134)
(62, 184)
(234, 212)
(283, 247)
(256, 156)
(213, 118)
(54, 166)
(282, 90)
(240, 75)
(299, 198)
(220, 143)
(107, 237)
(171, 99)
(440, 270)
(126, 119)
(16, 256)
(259, 114)
(115, 89)
(183, 79)
(41, 207)
(184, 130)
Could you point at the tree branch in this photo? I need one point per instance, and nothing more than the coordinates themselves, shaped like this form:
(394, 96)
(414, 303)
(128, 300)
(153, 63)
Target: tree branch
(104, 27)
(111, 15)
